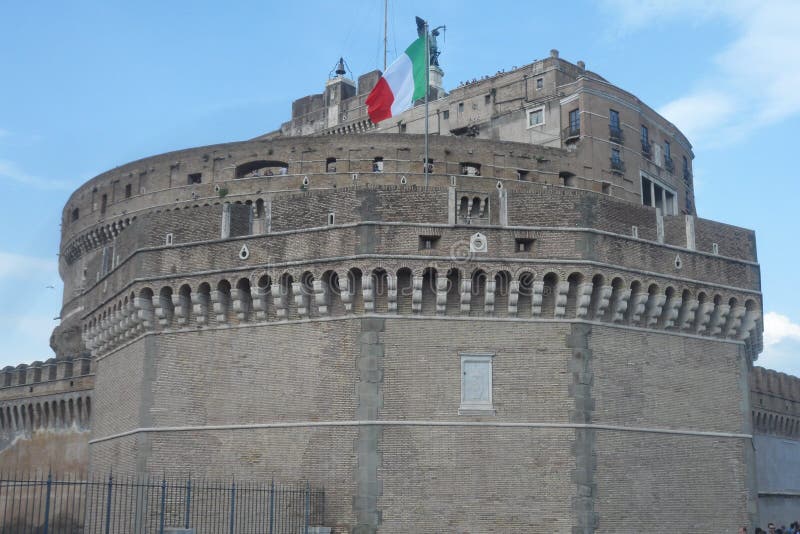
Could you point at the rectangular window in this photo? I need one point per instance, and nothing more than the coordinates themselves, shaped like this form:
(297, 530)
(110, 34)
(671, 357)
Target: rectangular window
(613, 118)
(539, 83)
(103, 203)
(575, 120)
(446, 114)
(667, 151)
(523, 244)
(128, 190)
(461, 107)
(487, 99)
(535, 117)
(476, 383)
(615, 157)
(645, 135)
(195, 178)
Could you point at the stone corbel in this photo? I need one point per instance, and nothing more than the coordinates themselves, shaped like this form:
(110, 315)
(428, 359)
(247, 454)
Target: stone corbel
(220, 304)
(703, 316)
(537, 293)
(200, 308)
(637, 305)
(671, 311)
(322, 297)
(582, 300)
(718, 319)
(562, 290)
(489, 297)
(620, 305)
(655, 305)
(466, 295)
(601, 305)
(368, 292)
(301, 300)
(416, 294)
(144, 311)
(180, 306)
(241, 304)
(748, 324)
(513, 298)
(735, 322)
(687, 313)
(260, 296)
(441, 295)
(346, 293)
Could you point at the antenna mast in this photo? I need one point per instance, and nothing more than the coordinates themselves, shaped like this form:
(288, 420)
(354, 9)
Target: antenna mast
(385, 30)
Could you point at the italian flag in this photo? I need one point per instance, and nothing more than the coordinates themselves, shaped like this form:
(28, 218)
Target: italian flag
(401, 84)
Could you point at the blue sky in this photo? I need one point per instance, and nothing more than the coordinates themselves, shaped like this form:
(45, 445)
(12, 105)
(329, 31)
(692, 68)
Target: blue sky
(89, 85)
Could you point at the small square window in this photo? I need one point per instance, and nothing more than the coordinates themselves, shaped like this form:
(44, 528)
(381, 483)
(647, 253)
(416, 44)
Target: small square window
(535, 117)
(522, 174)
(522, 244)
(476, 384)
(428, 242)
(195, 178)
(539, 83)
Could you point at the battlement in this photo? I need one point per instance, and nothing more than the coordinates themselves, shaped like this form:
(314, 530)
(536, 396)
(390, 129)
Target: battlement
(775, 401)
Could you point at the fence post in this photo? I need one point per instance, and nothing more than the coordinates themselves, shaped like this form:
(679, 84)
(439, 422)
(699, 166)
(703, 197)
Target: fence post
(47, 501)
(308, 503)
(188, 502)
(271, 506)
(163, 503)
(233, 505)
(108, 502)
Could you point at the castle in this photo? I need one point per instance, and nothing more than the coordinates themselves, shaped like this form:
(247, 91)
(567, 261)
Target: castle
(538, 335)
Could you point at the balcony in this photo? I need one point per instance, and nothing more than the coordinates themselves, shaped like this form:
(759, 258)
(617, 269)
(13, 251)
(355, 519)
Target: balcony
(668, 164)
(687, 176)
(615, 134)
(617, 166)
(647, 149)
(571, 133)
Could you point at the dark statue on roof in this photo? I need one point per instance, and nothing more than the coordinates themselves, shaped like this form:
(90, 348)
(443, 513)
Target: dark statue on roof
(433, 46)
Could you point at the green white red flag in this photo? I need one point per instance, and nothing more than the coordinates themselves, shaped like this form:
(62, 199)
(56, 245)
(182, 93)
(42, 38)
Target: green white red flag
(401, 84)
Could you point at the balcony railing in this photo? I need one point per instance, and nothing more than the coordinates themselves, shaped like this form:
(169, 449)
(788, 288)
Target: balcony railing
(617, 165)
(615, 134)
(571, 132)
(668, 164)
(647, 149)
(687, 176)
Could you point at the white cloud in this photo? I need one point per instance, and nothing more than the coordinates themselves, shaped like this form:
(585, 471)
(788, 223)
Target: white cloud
(10, 171)
(754, 81)
(778, 328)
(20, 266)
(781, 344)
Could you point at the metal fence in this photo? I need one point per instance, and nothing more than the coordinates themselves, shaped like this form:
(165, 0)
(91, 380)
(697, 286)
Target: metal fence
(117, 505)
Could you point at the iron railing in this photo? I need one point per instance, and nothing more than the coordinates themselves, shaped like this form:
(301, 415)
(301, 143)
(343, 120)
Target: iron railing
(668, 164)
(647, 149)
(615, 134)
(617, 165)
(573, 131)
(149, 505)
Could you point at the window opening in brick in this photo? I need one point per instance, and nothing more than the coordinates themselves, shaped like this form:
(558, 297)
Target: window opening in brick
(194, 178)
(75, 214)
(377, 164)
(103, 203)
(428, 242)
(128, 190)
(330, 165)
(523, 244)
(539, 83)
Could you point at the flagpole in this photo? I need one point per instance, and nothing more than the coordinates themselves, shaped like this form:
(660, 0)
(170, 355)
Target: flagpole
(427, 90)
